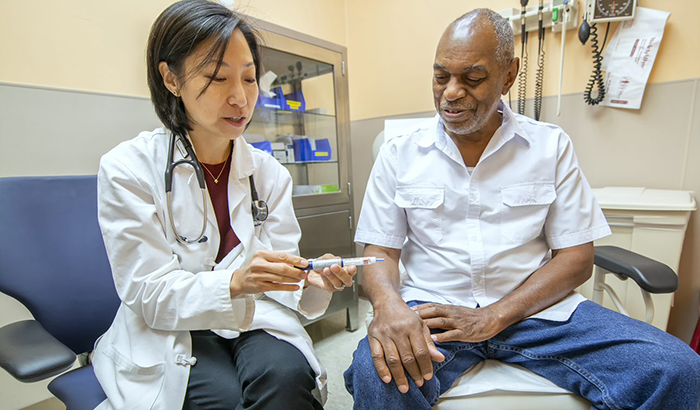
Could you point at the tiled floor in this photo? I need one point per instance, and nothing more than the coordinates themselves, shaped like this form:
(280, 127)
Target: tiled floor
(50, 404)
(334, 346)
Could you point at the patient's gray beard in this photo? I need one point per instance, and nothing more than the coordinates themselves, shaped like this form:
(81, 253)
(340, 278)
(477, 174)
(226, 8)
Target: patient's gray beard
(474, 125)
(481, 117)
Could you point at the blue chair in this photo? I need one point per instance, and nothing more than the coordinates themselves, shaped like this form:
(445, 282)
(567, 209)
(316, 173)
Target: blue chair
(53, 261)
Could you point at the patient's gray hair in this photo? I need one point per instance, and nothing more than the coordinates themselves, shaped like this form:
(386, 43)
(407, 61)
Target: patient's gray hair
(504, 33)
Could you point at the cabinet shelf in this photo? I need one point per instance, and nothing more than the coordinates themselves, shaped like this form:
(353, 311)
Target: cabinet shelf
(289, 116)
(290, 69)
(309, 162)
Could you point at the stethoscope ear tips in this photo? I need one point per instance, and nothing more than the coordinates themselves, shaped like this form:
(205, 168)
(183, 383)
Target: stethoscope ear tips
(204, 239)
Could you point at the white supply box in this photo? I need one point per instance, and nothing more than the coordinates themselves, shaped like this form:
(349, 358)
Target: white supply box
(651, 222)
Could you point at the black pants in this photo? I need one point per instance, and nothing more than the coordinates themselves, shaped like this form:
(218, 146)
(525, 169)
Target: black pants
(253, 371)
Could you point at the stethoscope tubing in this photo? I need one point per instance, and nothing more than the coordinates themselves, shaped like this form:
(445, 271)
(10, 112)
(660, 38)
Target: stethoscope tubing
(259, 208)
(194, 163)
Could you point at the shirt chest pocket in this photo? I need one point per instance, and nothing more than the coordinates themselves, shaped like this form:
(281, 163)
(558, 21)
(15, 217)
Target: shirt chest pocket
(424, 211)
(524, 210)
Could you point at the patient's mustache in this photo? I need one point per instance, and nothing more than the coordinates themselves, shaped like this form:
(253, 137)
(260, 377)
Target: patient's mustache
(457, 107)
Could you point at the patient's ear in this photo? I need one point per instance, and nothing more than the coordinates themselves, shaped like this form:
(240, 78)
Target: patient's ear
(511, 74)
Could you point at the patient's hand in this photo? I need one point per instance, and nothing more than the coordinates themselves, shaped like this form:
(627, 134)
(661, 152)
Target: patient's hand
(462, 324)
(399, 340)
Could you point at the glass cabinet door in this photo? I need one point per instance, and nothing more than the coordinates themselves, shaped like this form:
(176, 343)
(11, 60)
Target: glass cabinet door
(296, 119)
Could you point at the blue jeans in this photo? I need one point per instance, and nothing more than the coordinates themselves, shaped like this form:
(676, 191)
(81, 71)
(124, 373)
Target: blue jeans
(609, 359)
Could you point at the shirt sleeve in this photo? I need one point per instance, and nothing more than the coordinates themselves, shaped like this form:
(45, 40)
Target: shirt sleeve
(574, 217)
(381, 221)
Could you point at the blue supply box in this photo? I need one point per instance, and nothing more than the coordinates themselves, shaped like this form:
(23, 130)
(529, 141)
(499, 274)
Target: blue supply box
(295, 101)
(263, 145)
(310, 149)
(277, 102)
(279, 150)
(292, 101)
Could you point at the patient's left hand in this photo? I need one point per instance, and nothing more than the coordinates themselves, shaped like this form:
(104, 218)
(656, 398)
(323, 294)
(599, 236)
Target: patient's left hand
(462, 324)
(332, 279)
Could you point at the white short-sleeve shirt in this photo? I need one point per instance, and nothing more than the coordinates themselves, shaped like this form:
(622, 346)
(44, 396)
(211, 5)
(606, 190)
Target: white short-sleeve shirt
(468, 239)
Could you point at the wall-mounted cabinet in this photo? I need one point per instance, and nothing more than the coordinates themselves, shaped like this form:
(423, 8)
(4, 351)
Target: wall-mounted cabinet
(302, 119)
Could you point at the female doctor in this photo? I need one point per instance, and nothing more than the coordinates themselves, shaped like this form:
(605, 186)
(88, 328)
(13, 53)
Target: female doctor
(207, 278)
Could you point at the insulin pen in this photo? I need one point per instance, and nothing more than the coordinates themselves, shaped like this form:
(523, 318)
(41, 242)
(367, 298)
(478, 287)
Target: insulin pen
(320, 264)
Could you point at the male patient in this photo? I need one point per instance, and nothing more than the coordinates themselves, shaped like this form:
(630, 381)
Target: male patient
(494, 222)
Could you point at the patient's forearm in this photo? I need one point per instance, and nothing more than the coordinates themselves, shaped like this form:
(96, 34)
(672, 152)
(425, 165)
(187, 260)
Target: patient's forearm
(568, 269)
(381, 281)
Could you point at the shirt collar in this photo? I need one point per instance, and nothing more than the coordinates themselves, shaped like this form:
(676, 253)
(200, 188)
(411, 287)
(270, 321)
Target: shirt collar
(510, 127)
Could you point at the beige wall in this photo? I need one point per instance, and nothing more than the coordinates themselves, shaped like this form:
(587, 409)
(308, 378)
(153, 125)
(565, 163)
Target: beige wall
(99, 45)
(391, 47)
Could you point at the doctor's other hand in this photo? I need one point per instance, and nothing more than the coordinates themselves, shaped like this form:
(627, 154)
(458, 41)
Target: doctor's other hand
(332, 279)
(269, 271)
(400, 344)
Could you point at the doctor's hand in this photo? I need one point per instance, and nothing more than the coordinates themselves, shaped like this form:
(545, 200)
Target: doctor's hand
(269, 271)
(461, 324)
(332, 279)
(399, 340)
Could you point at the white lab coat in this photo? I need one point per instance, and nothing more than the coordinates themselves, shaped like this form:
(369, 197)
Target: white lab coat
(168, 289)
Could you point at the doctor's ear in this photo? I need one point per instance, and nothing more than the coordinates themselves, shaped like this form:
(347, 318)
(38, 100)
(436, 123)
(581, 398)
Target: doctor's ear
(169, 78)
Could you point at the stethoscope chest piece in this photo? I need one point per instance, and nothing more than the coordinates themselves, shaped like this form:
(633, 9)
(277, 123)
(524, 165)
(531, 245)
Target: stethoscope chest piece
(258, 207)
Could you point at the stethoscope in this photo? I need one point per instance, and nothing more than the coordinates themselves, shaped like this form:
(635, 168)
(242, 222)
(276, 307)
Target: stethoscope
(259, 207)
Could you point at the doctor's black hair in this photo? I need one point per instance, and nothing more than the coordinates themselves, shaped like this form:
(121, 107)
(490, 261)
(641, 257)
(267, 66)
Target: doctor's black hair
(175, 35)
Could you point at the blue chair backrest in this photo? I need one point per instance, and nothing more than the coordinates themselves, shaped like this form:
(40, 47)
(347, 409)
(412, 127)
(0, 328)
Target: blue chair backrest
(53, 259)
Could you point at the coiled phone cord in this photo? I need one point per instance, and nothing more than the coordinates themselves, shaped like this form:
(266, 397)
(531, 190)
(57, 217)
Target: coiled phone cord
(596, 80)
(539, 77)
(522, 78)
(522, 82)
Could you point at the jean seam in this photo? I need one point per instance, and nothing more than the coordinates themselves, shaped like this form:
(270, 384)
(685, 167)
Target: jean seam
(566, 362)
(452, 353)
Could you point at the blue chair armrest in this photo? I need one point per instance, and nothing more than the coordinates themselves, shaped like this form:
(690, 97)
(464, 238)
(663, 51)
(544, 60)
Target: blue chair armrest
(650, 275)
(30, 353)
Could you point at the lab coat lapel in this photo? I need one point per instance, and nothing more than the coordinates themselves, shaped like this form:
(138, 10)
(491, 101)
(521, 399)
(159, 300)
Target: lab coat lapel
(239, 198)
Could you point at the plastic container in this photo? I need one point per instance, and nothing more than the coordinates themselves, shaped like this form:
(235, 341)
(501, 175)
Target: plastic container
(277, 102)
(328, 188)
(263, 145)
(306, 189)
(651, 222)
(311, 149)
(295, 101)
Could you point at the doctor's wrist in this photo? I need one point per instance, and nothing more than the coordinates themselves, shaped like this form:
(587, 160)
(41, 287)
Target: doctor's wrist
(233, 288)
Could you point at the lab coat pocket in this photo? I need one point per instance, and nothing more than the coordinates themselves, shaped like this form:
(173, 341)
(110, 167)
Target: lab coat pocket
(424, 210)
(524, 210)
(136, 386)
